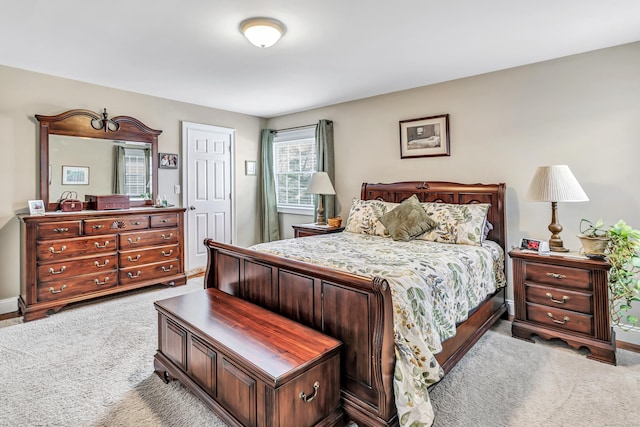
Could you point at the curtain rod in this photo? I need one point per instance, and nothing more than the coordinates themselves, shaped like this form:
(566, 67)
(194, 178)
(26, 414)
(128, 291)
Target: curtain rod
(297, 127)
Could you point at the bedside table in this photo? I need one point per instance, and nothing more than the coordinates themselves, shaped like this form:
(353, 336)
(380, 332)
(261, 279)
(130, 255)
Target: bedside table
(302, 230)
(563, 297)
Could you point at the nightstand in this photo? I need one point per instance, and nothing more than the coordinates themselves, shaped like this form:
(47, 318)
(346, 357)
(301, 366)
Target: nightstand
(563, 297)
(302, 230)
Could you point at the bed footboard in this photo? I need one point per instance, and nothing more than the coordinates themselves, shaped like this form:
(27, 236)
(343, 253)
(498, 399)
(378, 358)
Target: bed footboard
(353, 309)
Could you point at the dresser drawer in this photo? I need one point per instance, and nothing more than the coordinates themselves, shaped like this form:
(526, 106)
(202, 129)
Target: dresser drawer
(164, 220)
(52, 250)
(558, 275)
(78, 267)
(109, 225)
(56, 230)
(131, 241)
(149, 272)
(64, 288)
(147, 256)
(560, 298)
(564, 319)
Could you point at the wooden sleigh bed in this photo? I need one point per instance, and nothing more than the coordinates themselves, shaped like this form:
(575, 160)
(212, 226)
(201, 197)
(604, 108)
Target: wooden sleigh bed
(354, 309)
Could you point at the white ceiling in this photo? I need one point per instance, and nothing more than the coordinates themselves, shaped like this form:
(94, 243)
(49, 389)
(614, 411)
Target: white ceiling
(333, 50)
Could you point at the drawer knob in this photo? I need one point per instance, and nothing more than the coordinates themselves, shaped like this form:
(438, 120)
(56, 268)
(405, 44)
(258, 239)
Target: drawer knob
(164, 220)
(307, 399)
(136, 222)
(133, 259)
(53, 251)
(97, 264)
(97, 226)
(167, 269)
(557, 276)
(131, 241)
(61, 229)
(106, 243)
(53, 291)
(167, 254)
(132, 276)
(52, 271)
(98, 283)
(167, 237)
(564, 298)
(564, 320)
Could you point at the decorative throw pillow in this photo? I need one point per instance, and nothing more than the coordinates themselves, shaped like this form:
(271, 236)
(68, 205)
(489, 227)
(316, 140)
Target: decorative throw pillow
(364, 214)
(458, 224)
(407, 221)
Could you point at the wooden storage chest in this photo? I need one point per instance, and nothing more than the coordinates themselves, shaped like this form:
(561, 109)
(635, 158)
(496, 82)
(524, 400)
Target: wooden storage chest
(108, 201)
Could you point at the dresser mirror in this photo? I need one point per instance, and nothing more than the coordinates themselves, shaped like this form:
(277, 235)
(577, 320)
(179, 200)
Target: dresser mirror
(86, 153)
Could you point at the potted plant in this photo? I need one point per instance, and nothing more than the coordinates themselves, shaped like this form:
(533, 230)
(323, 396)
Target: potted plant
(594, 238)
(623, 253)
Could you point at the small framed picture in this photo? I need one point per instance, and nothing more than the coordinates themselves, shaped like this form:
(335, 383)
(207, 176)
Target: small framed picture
(36, 207)
(75, 175)
(425, 137)
(249, 167)
(168, 161)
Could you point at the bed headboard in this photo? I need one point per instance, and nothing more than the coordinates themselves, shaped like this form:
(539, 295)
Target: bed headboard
(447, 192)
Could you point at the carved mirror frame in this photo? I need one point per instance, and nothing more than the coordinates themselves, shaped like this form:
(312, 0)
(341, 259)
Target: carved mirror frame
(86, 123)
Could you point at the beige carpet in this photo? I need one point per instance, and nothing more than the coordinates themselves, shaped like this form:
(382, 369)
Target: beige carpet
(93, 366)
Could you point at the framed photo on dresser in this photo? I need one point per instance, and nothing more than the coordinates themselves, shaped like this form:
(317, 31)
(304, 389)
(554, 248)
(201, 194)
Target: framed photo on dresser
(36, 207)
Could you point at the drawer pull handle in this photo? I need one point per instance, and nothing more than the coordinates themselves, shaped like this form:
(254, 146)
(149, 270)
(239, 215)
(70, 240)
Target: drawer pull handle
(564, 320)
(97, 264)
(53, 291)
(132, 276)
(131, 241)
(98, 283)
(53, 251)
(106, 243)
(557, 276)
(164, 220)
(97, 227)
(52, 271)
(167, 237)
(167, 269)
(307, 399)
(564, 298)
(133, 260)
(136, 222)
(167, 254)
(61, 230)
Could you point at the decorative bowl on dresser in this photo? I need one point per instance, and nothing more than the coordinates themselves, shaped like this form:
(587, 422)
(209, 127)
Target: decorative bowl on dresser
(563, 297)
(71, 257)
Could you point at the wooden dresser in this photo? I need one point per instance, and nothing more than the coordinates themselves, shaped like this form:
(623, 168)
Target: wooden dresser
(76, 256)
(563, 297)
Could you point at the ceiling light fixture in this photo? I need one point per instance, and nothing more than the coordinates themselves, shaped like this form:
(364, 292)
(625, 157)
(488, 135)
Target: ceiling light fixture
(262, 32)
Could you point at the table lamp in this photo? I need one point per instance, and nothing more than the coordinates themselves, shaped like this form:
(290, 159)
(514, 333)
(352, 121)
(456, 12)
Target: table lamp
(555, 184)
(320, 184)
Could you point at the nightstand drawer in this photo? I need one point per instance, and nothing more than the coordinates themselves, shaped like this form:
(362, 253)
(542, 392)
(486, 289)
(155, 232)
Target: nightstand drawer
(556, 275)
(560, 298)
(563, 319)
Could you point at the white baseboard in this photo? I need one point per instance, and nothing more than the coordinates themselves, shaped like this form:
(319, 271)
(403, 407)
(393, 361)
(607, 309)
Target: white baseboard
(8, 305)
(510, 307)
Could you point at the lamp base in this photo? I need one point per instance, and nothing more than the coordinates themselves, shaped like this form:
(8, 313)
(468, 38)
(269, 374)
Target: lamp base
(558, 249)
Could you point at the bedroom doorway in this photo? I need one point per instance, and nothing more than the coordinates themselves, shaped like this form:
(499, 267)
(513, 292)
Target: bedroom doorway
(207, 177)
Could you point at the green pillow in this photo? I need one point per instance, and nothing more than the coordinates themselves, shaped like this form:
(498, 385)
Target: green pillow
(408, 220)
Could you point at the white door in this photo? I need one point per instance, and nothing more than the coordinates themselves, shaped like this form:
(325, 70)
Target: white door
(207, 154)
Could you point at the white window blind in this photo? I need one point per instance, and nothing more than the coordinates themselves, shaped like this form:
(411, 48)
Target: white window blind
(135, 171)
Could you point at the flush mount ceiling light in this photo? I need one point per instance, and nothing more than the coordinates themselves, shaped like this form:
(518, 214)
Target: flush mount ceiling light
(262, 32)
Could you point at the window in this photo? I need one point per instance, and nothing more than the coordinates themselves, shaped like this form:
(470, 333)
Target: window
(294, 160)
(135, 171)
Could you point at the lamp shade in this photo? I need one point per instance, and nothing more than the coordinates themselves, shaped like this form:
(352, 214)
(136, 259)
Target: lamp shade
(555, 184)
(262, 32)
(320, 184)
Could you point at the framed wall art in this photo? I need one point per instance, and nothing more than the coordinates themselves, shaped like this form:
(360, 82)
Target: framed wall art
(75, 175)
(425, 137)
(168, 161)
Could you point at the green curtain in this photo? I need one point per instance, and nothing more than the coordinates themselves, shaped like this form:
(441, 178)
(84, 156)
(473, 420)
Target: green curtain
(270, 224)
(324, 151)
(118, 170)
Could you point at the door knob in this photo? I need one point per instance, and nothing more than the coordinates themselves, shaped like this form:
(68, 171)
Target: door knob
(192, 208)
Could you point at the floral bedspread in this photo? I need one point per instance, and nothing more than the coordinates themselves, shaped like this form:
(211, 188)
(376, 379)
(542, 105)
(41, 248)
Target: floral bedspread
(433, 287)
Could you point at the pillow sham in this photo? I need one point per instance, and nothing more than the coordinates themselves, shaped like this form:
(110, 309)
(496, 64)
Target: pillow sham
(364, 214)
(457, 224)
(408, 220)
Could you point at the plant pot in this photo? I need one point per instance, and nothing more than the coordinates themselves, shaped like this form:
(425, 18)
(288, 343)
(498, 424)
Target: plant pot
(593, 246)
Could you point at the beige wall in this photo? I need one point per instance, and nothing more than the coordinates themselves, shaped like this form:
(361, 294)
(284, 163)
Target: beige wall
(583, 111)
(24, 94)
